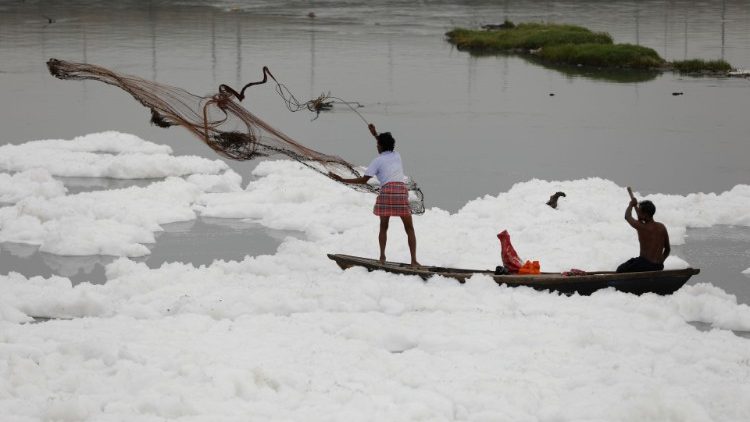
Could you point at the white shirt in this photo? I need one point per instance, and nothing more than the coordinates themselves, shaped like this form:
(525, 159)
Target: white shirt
(387, 167)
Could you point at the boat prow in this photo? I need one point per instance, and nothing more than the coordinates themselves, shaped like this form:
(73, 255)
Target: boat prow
(659, 282)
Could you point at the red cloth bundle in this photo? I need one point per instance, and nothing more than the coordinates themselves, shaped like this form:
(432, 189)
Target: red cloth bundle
(511, 261)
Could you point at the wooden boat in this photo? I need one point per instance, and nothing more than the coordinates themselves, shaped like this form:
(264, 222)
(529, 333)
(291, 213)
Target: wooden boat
(659, 282)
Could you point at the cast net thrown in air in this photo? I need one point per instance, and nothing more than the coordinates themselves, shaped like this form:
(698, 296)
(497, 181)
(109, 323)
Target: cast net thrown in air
(223, 124)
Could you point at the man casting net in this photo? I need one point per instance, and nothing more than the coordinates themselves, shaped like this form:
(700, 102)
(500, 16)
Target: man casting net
(223, 124)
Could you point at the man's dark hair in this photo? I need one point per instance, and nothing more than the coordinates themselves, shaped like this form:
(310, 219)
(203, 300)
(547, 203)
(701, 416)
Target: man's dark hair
(648, 208)
(386, 141)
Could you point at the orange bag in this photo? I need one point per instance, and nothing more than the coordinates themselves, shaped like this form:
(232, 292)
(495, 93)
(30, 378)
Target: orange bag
(530, 267)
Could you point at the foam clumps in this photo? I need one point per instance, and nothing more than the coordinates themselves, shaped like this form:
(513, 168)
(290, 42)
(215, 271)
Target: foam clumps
(106, 154)
(289, 336)
(35, 182)
(118, 222)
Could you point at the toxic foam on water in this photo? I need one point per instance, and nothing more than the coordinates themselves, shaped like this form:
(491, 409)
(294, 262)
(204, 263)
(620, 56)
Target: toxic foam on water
(291, 336)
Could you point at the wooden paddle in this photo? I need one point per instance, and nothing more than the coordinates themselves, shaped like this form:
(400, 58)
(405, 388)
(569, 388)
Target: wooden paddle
(632, 197)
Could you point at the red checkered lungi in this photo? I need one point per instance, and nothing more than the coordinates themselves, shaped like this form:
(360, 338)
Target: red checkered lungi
(393, 200)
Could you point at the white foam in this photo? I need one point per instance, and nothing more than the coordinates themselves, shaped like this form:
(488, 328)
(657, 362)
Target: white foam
(589, 234)
(111, 222)
(106, 154)
(35, 182)
(290, 336)
(116, 222)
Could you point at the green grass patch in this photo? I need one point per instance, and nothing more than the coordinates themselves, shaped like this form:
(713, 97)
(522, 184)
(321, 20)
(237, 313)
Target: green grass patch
(572, 45)
(603, 55)
(524, 36)
(701, 66)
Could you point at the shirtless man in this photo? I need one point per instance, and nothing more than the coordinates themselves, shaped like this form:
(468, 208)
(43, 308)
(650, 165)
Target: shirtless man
(652, 236)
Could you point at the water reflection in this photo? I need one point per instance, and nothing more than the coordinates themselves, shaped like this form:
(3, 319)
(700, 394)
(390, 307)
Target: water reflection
(312, 57)
(213, 48)
(152, 24)
(28, 261)
(197, 242)
(244, 225)
(723, 26)
(87, 184)
(238, 53)
(637, 23)
(20, 250)
(607, 75)
(685, 53)
(83, 268)
(201, 241)
(722, 253)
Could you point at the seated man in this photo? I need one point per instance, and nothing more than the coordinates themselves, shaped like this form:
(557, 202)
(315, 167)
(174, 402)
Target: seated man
(652, 237)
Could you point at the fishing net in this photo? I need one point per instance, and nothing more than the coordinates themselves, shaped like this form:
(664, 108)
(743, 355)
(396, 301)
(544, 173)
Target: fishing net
(226, 126)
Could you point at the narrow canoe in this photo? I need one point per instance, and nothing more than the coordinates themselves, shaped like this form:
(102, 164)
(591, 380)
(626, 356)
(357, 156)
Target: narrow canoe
(659, 282)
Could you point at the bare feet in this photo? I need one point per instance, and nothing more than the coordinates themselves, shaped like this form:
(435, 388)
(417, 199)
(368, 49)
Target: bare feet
(415, 264)
(382, 259)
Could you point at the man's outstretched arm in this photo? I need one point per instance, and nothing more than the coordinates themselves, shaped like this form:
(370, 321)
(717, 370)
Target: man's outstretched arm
(356, 180)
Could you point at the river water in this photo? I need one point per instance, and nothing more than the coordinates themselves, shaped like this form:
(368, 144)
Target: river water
(467, 126)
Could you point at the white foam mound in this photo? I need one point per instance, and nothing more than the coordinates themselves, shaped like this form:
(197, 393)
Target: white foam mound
(747, 271)
(111, 222)
(290, 336)
(35, 182)
(116, 222)
(106, 154)
(587, 231)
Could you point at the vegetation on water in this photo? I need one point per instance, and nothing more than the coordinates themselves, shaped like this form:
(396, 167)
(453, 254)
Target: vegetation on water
(571, 45)
(524, 36)
(698, 66)
(603, 55)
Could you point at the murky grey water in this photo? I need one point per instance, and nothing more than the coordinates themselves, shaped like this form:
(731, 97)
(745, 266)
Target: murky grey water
(198, 242)
(466, 126)
(722, 253)
(76, 185)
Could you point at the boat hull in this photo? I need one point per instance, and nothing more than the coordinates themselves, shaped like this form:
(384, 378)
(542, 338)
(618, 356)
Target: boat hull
(659, 282)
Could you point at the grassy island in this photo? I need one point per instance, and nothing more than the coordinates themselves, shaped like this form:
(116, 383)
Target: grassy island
(525, 36)
(701, 66)
(572, 46)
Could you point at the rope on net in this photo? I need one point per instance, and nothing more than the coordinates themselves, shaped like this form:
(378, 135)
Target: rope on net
(226, 126)
(323, 102)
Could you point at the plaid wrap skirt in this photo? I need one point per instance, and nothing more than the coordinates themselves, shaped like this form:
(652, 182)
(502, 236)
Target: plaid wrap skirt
(393, 200)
